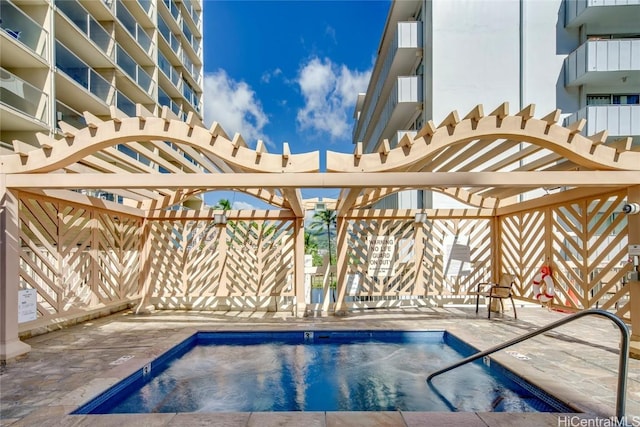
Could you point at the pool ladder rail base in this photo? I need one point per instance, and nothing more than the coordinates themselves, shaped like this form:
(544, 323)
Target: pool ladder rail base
(623, 363)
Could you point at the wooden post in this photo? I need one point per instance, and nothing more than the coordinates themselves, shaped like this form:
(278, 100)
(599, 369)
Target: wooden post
(341, 266)
(420, 287)
(10, 345)
(144, 262)
(496, 250)
(633, 225)
(298, 268)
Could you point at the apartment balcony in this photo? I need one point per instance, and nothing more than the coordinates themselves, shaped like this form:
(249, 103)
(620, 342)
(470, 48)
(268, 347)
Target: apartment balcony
(399, 59)
(604, 62)
(74, 19)
(141, 39)
(29, 104)
(403, 102)
(69, 115)
(617, 120)
(169, 70)
(616, 12)
(79, 85)
(169, 36)
(135, 71)
(19, 30)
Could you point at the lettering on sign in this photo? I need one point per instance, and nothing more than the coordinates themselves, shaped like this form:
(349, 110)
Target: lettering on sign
(381, 262)
(27, 305)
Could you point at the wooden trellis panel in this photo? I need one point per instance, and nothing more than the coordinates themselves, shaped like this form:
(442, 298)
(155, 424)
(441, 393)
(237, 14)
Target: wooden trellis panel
(477, 233)
(77, 258)
(244, 265)
(523, 248)
(589, 252)
(585, 243)
(421, 275)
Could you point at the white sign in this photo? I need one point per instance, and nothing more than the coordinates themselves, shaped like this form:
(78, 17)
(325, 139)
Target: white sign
(381, 256)
(27, 305)
(457, 253)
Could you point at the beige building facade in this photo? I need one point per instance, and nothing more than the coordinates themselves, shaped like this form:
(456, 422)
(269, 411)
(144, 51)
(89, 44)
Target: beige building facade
(60, 58)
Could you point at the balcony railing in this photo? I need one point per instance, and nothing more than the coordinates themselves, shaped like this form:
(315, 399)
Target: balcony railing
(125, 104)
(407, 91)
(23, 96)
(173, 9)
(169, 70)
(21, 27)
(596, 56)
(578, 12)
(69, 115)
(129, 23)
(408, 38)
(135, 71)
(147, 6)
(164, 99)
(195, 16)
(169, 37)
(187, 64)
(86, 23)
(618, 120)
(81, 73)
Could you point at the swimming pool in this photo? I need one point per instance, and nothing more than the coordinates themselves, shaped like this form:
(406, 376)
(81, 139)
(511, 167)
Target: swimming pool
(320, 371)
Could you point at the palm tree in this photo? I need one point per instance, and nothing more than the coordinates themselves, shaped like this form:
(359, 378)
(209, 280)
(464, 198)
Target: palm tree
(325, 220)
(223, 204)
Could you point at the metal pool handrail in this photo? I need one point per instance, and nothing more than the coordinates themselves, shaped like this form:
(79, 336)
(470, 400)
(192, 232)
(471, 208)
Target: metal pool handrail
(623, 361)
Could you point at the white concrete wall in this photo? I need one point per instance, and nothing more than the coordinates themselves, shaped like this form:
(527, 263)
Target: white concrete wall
(475, 55)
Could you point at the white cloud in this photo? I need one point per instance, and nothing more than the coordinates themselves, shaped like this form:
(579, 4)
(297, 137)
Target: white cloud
(268, 75)
(235, 106)
(330, 92)
(243, 205)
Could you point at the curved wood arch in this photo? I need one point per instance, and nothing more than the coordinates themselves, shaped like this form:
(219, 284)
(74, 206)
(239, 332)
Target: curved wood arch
(58, 153)
(566, 142)
(374, 195)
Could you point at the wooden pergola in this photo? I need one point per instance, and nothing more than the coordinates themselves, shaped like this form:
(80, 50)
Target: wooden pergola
(540, 194)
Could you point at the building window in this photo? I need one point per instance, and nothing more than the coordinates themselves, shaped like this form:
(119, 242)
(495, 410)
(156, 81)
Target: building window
(625, 99)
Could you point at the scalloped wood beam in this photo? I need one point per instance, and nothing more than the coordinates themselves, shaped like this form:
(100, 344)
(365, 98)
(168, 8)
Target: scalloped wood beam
(216, 129)
(527, 112)
(427, 130)
(167, 114)
(104, 134)
(553, 117)
(451, 120)
(502, 111)
(476, 113)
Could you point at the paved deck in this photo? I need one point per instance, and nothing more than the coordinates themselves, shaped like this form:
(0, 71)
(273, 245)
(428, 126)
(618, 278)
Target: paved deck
(577, 363)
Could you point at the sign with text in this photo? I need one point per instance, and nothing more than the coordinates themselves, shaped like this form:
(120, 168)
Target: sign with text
(381, 256)
(27, 305)
(457, 256)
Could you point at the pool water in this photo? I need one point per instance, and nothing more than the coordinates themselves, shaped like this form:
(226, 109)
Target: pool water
(320, 371)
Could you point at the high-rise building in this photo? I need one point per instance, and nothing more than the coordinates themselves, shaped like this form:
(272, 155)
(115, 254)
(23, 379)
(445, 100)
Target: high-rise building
(435, 56)
(60, 58)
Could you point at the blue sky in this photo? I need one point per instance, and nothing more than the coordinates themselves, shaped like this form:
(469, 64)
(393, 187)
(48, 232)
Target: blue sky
(288, 71)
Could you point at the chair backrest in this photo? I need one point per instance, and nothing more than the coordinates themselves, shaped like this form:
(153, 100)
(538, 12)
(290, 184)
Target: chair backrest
(506, 280)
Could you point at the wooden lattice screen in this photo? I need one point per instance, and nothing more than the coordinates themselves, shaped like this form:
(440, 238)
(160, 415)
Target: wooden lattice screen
(425, 274)
(584, 241)
(77, 258)
(240, 265)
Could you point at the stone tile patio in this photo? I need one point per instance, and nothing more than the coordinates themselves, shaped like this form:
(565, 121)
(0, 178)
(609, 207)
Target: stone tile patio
(577, 363)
